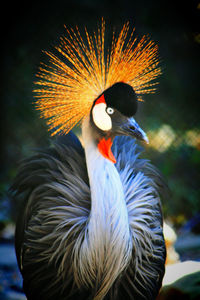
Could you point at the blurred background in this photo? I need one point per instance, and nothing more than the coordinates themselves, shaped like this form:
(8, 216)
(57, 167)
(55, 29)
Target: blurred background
(170, 117)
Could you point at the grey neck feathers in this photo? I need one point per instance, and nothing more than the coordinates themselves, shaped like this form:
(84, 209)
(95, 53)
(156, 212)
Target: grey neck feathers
(107, 246)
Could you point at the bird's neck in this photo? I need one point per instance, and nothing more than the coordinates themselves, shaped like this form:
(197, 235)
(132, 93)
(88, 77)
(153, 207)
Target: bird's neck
(109, 244)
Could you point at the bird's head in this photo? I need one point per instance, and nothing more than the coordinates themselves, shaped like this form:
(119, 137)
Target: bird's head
(113, 114)
(88, 79)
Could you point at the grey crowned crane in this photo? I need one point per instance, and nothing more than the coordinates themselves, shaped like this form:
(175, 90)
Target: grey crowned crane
(90, 226)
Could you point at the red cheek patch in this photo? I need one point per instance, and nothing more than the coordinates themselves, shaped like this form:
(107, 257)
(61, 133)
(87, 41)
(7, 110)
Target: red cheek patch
(104, 147)
(100, 100)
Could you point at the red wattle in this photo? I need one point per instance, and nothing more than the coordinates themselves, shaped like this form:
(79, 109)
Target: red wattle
(104, 147)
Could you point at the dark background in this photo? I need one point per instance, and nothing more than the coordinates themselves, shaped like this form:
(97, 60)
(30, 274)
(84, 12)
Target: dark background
(170, 117)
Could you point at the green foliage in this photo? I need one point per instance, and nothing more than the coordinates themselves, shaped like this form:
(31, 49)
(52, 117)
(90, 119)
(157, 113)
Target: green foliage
(180, 167)
(188, 287)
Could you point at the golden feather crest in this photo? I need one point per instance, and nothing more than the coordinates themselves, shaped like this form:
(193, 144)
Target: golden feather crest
(66, 91)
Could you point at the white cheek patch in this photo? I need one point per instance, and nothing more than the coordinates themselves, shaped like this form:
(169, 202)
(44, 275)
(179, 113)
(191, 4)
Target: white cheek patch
(100, 117)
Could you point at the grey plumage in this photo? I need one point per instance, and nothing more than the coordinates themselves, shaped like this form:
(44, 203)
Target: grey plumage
(53, 225)
(91, 223)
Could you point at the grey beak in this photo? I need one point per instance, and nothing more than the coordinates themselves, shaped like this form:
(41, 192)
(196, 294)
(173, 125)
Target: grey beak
(131, 128)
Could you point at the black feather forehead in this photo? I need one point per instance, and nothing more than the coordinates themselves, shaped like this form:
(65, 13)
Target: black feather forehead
(122, 97)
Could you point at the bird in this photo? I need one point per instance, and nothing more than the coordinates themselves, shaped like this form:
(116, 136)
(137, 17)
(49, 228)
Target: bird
(90, 224)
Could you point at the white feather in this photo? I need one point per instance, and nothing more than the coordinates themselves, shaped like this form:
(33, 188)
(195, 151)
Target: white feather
(107, 248)
(101, 118)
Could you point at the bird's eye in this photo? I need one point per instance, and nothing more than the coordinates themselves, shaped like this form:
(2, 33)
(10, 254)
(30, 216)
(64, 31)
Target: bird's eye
(110, 110)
